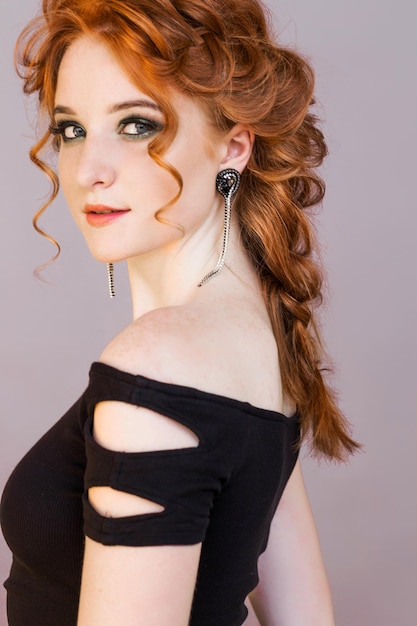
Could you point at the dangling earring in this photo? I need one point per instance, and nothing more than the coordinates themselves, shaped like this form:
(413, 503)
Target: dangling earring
(110, 277)
(227, 183)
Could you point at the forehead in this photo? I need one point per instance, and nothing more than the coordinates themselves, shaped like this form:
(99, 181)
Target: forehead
(90, 76)
(87, 65)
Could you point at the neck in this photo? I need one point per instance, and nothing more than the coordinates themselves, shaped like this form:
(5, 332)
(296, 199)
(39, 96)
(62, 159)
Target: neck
(170, 277)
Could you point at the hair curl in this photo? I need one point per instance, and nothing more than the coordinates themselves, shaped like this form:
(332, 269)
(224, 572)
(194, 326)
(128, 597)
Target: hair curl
(221, 52)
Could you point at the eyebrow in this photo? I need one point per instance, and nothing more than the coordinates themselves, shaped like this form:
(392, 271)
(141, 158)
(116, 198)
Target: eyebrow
(115, 108)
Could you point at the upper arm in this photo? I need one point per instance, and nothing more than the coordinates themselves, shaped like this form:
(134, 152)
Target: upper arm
(150, 586)
(122, 582)
(293, 587)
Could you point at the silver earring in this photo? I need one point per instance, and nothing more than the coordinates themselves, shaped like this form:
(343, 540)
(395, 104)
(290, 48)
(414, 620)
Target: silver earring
(227, 184)
(110, 277)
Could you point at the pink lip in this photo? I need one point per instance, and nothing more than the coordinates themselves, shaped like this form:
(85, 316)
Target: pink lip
(100, 214)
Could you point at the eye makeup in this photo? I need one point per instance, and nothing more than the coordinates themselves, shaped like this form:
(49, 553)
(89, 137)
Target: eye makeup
(136, 127)
(133, 128)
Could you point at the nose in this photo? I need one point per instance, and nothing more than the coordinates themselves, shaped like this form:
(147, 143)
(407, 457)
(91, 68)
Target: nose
(95, 164)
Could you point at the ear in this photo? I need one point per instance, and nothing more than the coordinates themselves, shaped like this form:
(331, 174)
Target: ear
(239, 143)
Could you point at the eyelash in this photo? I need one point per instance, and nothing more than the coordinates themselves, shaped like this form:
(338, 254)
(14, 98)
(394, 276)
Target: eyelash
(58, 129)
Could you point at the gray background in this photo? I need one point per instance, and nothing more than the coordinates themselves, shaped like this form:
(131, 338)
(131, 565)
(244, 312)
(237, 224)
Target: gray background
(364, 54)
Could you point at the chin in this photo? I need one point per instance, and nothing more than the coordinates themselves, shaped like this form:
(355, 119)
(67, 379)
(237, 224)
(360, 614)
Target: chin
(106, 256)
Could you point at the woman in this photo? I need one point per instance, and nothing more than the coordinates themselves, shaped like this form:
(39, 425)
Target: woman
(151, 500)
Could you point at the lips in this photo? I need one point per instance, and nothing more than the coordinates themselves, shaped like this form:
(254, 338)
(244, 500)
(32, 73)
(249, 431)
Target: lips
(100, 214)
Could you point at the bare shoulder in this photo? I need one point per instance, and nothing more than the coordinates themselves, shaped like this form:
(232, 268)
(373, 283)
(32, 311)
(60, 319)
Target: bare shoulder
(224, 347)
(148, 345)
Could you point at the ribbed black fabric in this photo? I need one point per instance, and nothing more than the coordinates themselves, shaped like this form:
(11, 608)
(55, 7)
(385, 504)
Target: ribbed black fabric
(223, 492)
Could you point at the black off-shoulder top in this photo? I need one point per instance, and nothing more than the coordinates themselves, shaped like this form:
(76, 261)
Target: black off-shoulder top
(223, 493)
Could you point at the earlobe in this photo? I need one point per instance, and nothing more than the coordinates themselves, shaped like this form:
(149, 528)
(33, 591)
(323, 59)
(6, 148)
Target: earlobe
(239, 147)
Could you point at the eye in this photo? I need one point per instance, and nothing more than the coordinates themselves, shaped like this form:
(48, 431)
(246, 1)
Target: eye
(72, 132)
(67, 130)
(139, 128)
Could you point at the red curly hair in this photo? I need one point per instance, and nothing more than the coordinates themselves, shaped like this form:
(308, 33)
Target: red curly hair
(222, 53)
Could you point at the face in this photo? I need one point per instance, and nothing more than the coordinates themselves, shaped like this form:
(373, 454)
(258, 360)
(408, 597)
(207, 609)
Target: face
(112, 186)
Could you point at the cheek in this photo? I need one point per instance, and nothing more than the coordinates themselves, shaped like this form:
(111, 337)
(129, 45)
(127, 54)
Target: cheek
(198, 165)
(200, 183)
(66, 175)
(148, 188)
